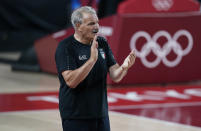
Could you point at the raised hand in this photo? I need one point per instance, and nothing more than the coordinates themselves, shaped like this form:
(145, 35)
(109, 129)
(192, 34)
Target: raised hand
(129, 61)
(94, 50)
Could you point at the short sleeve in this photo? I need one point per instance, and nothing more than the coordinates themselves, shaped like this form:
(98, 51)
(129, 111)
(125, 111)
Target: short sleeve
(64, 58)
(109, 55)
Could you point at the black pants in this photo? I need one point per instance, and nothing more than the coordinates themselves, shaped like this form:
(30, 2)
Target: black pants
(102, 124)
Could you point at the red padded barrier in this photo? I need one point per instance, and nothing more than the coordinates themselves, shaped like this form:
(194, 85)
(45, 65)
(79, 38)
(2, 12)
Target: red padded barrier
(167, 47)
(46, 47)
(158, 6)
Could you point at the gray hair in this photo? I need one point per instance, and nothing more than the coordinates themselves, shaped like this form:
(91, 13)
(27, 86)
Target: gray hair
(77, 15)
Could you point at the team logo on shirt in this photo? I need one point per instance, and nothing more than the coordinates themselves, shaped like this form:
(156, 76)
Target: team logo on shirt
(82, 57)
(102, 53)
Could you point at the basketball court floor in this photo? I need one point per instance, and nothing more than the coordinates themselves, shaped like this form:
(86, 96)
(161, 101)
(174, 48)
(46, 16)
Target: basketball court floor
(28, 102)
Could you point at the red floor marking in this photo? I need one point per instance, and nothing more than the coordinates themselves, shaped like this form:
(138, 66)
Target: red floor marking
(25, 101)
(181, 104)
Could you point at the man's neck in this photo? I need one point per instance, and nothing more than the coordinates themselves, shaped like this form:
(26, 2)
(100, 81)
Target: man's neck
(81, 39)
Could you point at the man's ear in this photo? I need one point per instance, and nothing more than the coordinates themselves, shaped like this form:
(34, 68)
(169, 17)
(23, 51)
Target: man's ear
(77, 25)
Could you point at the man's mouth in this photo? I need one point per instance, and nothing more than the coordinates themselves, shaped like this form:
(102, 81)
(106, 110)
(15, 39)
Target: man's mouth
(95, 31)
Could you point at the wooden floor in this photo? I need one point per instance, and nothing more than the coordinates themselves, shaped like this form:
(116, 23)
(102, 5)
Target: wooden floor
(49, 120)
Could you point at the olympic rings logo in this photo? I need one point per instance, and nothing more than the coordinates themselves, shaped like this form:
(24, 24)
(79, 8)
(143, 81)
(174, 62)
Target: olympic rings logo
(161, 53)
(162, 5)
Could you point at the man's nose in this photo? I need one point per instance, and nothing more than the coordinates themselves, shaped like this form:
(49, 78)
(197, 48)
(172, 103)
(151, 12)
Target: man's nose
(97, 26)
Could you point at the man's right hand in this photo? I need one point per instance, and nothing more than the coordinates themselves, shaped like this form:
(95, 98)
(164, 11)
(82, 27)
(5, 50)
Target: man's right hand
(94, 49)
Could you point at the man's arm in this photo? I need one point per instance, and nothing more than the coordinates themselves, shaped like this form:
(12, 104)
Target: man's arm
(74, 77)
(118, 72)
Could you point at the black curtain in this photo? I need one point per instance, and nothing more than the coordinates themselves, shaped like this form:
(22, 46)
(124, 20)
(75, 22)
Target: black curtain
(107, 7)
(22, 21)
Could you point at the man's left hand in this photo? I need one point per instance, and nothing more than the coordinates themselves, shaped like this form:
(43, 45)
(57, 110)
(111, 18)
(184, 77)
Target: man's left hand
(129, 61)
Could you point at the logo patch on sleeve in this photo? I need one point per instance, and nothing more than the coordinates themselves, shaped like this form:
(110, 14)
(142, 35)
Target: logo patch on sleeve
(102, 53)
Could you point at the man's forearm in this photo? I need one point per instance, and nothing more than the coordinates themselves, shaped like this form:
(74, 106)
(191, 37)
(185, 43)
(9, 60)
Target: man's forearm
(117, 73)
(73, 78)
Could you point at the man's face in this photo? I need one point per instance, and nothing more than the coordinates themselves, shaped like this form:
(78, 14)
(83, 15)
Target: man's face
(89, 26)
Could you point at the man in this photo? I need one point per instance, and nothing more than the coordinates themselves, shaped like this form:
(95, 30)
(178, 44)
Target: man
(83, 61)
